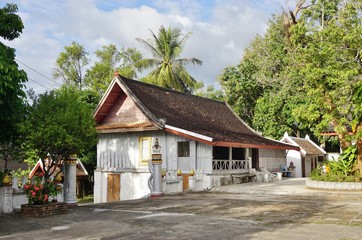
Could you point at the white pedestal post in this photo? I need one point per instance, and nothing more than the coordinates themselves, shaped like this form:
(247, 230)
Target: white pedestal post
(156, 190)
(70, 179)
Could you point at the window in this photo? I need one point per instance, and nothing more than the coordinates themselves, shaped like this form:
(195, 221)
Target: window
(183, 149)
(145, 150)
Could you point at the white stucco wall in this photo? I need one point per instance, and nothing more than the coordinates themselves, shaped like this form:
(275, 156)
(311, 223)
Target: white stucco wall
(333, 156)
(272, 158)
(204, 158)
(295, 157)
(119, 153)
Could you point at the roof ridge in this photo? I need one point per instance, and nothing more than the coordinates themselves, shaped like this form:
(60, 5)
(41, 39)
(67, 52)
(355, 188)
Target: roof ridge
(167, 89)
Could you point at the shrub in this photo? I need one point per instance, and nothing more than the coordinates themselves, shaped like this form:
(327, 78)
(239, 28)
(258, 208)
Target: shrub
(342, 170)
(39, 191)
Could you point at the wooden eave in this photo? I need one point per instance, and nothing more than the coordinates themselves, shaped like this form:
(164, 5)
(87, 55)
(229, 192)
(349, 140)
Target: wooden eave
(108, 100)
(230, 144)
(246, 145)
(129, 127)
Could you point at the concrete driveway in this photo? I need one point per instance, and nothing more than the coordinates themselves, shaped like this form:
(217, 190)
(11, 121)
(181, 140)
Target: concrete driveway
(276, 210)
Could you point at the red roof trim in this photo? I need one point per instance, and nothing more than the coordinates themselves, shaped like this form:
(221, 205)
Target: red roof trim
(187, 136)
(230, 144)
(244, 145)
(333, 133)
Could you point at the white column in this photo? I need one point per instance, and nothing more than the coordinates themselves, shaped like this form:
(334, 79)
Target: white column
(70, 179)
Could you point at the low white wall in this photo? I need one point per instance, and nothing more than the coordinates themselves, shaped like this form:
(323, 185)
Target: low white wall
(11, 199)
(172, 186)
(351, 186)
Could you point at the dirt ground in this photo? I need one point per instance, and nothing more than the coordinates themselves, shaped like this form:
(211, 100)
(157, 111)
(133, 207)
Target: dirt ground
(278, 210)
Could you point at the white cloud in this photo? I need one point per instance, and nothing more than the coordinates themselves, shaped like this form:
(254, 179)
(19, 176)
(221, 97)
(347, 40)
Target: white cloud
(221, 30)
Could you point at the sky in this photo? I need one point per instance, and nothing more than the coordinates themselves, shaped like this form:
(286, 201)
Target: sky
(221, 30)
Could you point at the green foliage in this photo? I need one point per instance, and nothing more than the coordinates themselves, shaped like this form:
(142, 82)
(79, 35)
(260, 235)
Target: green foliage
(210, 92)
(304, 74)
(169, 70)
(70, 65)
(346, 162)
(21, 173)
(327, 57)
(86, 199)
(334, 177)
(60, 123)
(11, 24)
(39, 191)
(126, 61)
(342, 170)
(12, 104)
(242, 91)
(259, 89)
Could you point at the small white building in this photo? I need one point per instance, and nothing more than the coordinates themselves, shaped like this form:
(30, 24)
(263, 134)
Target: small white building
(307, 158)
(195, 134)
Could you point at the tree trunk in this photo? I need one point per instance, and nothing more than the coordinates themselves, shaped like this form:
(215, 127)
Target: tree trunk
(359, 149)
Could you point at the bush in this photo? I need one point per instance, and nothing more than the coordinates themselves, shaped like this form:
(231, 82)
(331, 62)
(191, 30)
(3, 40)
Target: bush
(319, 175)
(342, 170)
(39, 191)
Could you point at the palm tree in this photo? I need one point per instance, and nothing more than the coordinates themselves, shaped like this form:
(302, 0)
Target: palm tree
(169, 70)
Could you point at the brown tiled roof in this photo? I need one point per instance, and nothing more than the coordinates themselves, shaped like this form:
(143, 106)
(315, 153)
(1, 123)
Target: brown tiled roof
(196, 114)
(308, 147)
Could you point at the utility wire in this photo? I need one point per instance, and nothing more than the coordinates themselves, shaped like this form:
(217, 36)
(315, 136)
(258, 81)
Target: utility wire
(38, 72)
(39, 84)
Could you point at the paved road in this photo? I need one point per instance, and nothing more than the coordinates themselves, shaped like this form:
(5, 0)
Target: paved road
(277, 210)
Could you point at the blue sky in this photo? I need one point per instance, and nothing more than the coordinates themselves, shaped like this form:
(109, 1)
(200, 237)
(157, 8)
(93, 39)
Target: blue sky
(221, 30)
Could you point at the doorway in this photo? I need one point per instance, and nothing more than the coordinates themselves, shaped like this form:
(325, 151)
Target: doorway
(113, 191)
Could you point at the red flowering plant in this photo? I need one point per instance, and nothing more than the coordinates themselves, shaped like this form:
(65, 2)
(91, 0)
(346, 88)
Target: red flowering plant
(40, 189)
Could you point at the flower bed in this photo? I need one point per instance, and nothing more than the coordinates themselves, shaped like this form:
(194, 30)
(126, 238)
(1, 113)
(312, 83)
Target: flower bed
(350, 186)
(44, 210)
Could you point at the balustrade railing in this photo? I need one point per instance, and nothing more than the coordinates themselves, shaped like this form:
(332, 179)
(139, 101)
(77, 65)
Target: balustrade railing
(230, 164)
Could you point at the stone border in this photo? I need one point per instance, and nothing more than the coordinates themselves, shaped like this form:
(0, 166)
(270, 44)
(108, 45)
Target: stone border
(28, 210)
(349, 186)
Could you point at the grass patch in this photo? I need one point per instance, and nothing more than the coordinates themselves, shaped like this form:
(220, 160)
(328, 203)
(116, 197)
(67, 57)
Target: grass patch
(86, 199)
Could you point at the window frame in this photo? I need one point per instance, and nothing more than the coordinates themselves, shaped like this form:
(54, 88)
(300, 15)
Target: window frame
(188, 151)
(142, 160)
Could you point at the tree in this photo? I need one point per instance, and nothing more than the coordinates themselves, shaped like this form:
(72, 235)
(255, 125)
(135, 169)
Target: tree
(327, 56)
(59, 124)
(12, 96)
(310, 67)
(127, 62)
(70, 65)
(210, 92)
(257, 89)
(169, 70)
(242, 90)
